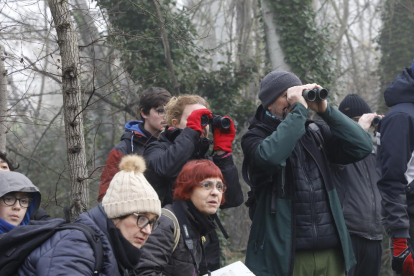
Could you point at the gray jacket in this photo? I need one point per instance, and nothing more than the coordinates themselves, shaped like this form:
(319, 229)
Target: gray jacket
(357, 189)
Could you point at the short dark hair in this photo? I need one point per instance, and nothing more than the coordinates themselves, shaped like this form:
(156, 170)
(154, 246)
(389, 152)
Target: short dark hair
(151, 98)
(9, 162)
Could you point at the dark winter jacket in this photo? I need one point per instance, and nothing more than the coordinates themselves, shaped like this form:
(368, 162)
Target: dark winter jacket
(134, 139)
(159, 259)
(269, 148)
(356, 185)
(395, 140)
(69, 253)
(166, 157)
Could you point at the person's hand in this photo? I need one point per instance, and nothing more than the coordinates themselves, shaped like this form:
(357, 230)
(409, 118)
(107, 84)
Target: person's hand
(194, 120)
(317, 106)
(294, 95)
(223, 138)
(366, 120)
(402, 260)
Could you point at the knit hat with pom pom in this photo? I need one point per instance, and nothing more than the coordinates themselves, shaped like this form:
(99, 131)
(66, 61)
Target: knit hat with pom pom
(129, 191)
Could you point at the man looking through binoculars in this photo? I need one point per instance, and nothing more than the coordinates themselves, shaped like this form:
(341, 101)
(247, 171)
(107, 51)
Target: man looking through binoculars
(298, 227)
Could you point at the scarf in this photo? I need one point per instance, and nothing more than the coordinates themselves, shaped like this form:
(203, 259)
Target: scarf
(5, 227)
(202, 223)
(125, 253)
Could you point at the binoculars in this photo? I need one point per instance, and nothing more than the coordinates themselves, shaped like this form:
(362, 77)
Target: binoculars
(375, 122)
(315, 94)
(216, 121)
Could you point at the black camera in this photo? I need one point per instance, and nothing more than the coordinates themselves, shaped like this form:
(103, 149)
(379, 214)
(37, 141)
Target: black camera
(315, 94)
(216, 121)
(375, 122)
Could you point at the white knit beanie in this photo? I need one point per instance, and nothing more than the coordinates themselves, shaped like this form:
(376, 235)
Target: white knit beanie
(129, 191)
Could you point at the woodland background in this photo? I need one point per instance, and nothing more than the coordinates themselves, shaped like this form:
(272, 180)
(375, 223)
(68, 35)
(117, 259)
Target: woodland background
(71, 73)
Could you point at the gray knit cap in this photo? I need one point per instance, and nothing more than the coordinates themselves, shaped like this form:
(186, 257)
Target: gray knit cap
(274, 84)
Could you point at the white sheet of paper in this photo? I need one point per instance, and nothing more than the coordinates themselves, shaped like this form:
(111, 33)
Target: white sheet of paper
(234, 269)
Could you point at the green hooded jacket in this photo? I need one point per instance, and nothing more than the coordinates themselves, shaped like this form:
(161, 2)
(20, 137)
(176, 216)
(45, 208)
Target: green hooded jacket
(267, 149)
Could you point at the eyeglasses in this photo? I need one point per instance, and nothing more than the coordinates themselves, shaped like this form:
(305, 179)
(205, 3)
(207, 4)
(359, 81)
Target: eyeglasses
(143, 221)
(208, 185)
(11, 200)
(160, 111)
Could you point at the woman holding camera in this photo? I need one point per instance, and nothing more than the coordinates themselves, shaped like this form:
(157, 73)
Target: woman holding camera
(186, 139)
(199, 192)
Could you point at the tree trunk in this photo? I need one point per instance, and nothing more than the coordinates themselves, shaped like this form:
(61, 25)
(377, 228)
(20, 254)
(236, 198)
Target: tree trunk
(164, 38)
(72, 103)
(3, 101)
(276, 55)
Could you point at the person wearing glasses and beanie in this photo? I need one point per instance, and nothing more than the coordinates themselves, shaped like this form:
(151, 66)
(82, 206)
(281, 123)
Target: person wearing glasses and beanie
(124, 220)
(137, 133)
(19, 199)
(198, 193)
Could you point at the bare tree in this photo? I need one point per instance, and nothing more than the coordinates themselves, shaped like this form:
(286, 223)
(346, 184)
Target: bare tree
(3, 102)
(72, 102)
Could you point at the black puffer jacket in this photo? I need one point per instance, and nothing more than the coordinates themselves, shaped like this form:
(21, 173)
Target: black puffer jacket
(158, 257)
(315, 226)
(166, 157)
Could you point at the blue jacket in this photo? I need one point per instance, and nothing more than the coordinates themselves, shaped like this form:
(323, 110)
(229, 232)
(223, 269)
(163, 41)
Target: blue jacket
(69, 253)
(395, 140)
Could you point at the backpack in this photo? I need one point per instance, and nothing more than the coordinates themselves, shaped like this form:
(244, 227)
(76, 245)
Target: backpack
(17, 244)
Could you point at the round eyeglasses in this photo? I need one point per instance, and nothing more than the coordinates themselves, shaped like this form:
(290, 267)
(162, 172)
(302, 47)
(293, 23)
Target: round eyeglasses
(208, 185)
(143, 221)
(11, 200)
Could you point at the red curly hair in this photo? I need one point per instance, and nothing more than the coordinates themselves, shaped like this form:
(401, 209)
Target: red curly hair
(193, 173)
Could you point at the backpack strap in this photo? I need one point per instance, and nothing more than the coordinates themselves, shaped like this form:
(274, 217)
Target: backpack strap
(174, 219)
(93, 239)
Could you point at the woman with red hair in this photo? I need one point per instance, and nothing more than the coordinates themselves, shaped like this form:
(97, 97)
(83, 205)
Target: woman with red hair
(198, 193)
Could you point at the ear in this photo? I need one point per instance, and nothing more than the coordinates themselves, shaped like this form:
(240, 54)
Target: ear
(143, 115)
(175, 122)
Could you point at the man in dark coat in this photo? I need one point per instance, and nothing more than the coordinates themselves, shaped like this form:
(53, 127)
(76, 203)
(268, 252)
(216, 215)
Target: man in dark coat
(298, 227)
(395, 140)
(137, 133)
(356, 184)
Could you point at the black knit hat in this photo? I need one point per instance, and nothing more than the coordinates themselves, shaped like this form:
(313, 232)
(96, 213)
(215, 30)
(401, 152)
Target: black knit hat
(353, 106)
(274, 84)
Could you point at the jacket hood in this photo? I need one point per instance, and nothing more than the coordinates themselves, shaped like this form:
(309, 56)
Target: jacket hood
(134, 126)
(17, 182)
(401, 90)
